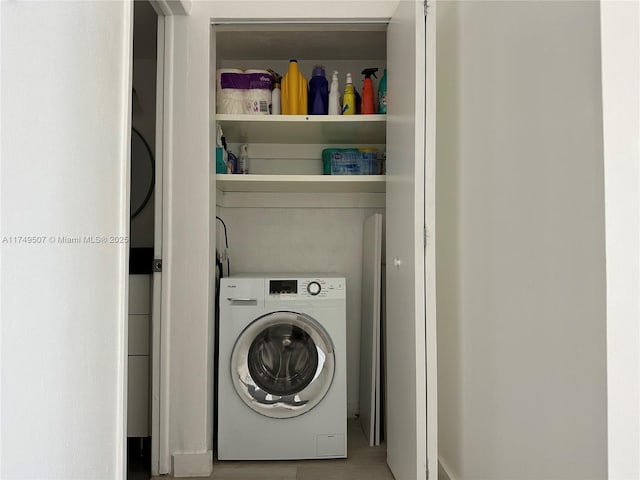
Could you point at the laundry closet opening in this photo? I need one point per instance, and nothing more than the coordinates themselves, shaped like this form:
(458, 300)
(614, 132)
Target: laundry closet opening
(300, 211)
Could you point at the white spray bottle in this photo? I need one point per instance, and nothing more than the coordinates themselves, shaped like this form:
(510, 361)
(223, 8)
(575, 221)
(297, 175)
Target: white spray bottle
(243, 161)
(334, 96)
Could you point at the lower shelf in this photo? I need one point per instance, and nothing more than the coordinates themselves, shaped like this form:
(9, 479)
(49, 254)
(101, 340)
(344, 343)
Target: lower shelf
(301, 183)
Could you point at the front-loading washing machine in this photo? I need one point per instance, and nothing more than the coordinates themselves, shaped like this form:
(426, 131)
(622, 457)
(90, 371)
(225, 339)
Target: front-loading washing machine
(282, 390)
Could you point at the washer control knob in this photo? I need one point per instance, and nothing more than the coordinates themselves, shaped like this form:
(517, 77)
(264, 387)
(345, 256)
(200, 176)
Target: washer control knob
(314, 288)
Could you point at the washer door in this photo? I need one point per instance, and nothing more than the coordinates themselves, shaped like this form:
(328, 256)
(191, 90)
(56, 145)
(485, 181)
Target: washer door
(282, 364)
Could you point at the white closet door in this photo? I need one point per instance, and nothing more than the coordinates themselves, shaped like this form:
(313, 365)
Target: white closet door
(405, 209)
(160, 457)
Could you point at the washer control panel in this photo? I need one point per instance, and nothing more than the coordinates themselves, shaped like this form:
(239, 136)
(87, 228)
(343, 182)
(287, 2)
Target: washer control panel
(301, 288)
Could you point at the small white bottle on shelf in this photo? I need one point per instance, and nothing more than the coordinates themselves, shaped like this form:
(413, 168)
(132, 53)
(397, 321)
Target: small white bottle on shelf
(334, 96)
(275, 99)
(243, 161)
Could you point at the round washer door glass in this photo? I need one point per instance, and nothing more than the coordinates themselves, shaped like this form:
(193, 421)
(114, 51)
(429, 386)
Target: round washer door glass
(282, 364)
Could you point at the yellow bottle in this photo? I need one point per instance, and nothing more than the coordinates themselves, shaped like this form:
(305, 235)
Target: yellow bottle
(349, 98)
(293, 91)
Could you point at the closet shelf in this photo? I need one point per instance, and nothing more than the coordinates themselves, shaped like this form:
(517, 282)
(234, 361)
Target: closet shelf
(301, 183)
(312, 129)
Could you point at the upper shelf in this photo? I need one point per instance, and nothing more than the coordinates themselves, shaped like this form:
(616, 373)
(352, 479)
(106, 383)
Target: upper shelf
(314, 129)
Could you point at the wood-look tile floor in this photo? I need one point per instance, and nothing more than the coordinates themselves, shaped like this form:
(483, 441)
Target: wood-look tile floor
(363, 463)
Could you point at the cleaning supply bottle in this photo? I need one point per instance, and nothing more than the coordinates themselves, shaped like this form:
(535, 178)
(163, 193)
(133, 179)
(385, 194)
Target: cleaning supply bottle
(294, 91)
(318, 92)
(232, 162)
(349, 98)
(227, 156)
(243, 161)
(221, 153)
(334, 95)
(368, 97)
(275, 98)
(382, 93)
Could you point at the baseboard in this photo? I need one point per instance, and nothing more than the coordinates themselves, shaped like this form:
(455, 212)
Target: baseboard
(444, 471)
(193, 464)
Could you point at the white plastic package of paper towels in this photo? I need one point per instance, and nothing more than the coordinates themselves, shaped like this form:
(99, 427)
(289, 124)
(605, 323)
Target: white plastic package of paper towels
(258, 96)
(230, 91)
(246, 92)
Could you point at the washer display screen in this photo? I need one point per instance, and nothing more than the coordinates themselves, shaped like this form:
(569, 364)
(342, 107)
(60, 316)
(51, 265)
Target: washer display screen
(283, 359)
(283, 286)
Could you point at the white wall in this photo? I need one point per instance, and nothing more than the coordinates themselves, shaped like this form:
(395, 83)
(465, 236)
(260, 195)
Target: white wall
(620, 23)
(186, 259)
(66, 83)
(449, 320)
(521, 270)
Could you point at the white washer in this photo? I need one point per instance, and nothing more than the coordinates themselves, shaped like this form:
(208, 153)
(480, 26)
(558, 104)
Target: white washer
(282, 391)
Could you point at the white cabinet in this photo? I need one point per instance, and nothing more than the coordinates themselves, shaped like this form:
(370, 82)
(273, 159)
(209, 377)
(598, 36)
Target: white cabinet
(138, 356)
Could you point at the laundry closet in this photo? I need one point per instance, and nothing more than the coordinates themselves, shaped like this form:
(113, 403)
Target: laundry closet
(285, 215)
